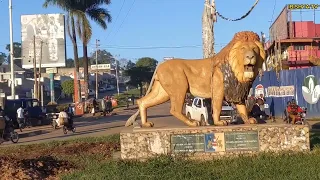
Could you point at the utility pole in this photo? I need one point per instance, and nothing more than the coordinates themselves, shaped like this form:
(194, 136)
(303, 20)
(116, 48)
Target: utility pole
(117, 78)
(40, 61)
(35, 68)
(97, 45)
(208, 20)
(13, 92)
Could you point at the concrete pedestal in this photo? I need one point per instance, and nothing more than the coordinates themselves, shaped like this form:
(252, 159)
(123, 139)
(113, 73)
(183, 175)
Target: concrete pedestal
(212, 141)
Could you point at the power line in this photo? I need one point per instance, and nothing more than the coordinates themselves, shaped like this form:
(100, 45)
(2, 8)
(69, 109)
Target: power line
(145, 47)
(116, 18)
(242, 17)
(124, 18)
(274, 8)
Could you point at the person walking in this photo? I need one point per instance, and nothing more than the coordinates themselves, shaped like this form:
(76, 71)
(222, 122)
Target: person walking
(20, 117)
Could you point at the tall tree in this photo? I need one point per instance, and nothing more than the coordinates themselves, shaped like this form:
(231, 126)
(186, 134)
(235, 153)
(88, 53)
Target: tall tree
(3, 58)
(68, 7)
(17, 53)
(90, 9)
(104, 57)
(138, 76)
(147, 62)
(130, 65)
(70, 63)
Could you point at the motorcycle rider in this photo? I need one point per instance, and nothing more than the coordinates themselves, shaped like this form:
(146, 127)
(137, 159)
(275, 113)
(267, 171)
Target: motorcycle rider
(2, 125)
(293, 110)
(20, 116)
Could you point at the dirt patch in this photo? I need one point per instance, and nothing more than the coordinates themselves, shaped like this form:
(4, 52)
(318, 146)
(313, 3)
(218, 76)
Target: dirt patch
(105, 149)
(46, 167)
(43, 163)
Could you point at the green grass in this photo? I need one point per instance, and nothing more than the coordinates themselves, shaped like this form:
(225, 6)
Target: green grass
(96, 165)
(262, 166)
(123, 97)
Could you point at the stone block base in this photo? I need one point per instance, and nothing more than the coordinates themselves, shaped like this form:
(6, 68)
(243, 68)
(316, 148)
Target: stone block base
(212, 141)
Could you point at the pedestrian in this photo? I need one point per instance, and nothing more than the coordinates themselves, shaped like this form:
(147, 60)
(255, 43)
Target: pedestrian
(109, 105)
(20, 116)
(132, 99)
(103, 106)
(128, 100)
(94, 106)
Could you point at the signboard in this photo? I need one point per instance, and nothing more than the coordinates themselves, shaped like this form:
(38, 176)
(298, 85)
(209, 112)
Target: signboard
(187, 143)
(101, 66)
(280, 91)
(51, 70)
(259, 90)
(242, 141)
(50, 41)
(279, 28)
(214, 142)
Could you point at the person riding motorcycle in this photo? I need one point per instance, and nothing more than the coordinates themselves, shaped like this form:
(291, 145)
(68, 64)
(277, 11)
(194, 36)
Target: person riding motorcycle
(294, 111)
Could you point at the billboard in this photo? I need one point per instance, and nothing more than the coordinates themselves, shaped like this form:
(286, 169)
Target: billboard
(279, 29)
(50, 42)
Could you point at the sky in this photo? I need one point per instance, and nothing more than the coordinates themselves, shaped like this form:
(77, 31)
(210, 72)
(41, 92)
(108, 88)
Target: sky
(158, 29)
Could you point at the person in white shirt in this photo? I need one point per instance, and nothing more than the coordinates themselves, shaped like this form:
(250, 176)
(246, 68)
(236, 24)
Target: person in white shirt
(62, 115)
(20, 116)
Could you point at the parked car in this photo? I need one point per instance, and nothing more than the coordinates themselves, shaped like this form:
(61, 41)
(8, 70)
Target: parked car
(31, 107)
(110, 88)
(200, 110)
(102, 89)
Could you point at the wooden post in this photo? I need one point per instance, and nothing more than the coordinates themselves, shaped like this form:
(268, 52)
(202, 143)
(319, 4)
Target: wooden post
(35, 69)
(39, 73)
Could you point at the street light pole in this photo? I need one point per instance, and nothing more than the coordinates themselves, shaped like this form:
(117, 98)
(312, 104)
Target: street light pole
(117, 78)
(97, 45)
(13, 93)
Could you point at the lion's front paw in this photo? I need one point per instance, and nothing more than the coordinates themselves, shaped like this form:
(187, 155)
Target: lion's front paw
(148, 124)
(221, 123)
(252, 121)
(194, 123)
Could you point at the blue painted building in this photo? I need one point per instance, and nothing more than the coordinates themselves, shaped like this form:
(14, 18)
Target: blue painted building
(300, 84)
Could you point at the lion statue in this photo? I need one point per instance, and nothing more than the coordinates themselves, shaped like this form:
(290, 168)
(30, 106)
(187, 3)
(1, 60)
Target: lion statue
(227, 76)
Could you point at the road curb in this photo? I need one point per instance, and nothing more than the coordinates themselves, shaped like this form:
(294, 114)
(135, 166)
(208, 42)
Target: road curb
(33, 133)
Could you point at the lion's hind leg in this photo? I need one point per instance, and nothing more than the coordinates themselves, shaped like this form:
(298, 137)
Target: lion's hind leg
(157, 96)
(177, 102)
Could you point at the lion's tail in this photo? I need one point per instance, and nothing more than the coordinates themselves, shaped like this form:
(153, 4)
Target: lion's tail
(133, 118)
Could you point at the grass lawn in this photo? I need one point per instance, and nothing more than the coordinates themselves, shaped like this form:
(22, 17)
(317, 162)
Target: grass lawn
(90, 158)
(123, 97)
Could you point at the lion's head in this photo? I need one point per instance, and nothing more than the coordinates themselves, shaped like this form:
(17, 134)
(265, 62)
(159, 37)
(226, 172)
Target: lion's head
(245, 54)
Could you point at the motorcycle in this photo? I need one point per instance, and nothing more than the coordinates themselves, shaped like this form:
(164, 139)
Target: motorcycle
(8, 133)
(26, 123)
(68, 125)
(300, 117)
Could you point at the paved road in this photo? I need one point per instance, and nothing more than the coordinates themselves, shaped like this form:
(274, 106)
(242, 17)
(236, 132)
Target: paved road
(101, 126)
(96, 126)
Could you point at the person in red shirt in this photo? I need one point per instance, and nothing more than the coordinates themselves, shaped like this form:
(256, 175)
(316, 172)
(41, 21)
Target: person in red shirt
(293, 110)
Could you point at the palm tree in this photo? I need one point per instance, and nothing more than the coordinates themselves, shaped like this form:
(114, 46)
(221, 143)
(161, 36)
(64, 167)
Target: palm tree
(67, 6)
(90, 9)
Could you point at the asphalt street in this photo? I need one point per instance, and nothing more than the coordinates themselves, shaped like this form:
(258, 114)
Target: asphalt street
(102, 126)
(92, 126)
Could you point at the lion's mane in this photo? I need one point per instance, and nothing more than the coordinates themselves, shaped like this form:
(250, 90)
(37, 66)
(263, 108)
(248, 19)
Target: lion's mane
(230, 62)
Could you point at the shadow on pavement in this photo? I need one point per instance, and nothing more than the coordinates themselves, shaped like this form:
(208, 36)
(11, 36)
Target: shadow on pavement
(32, 133)
(70, 134)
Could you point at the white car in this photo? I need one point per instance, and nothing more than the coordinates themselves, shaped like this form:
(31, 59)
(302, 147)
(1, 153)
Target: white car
(90, 93)
(200, 108)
